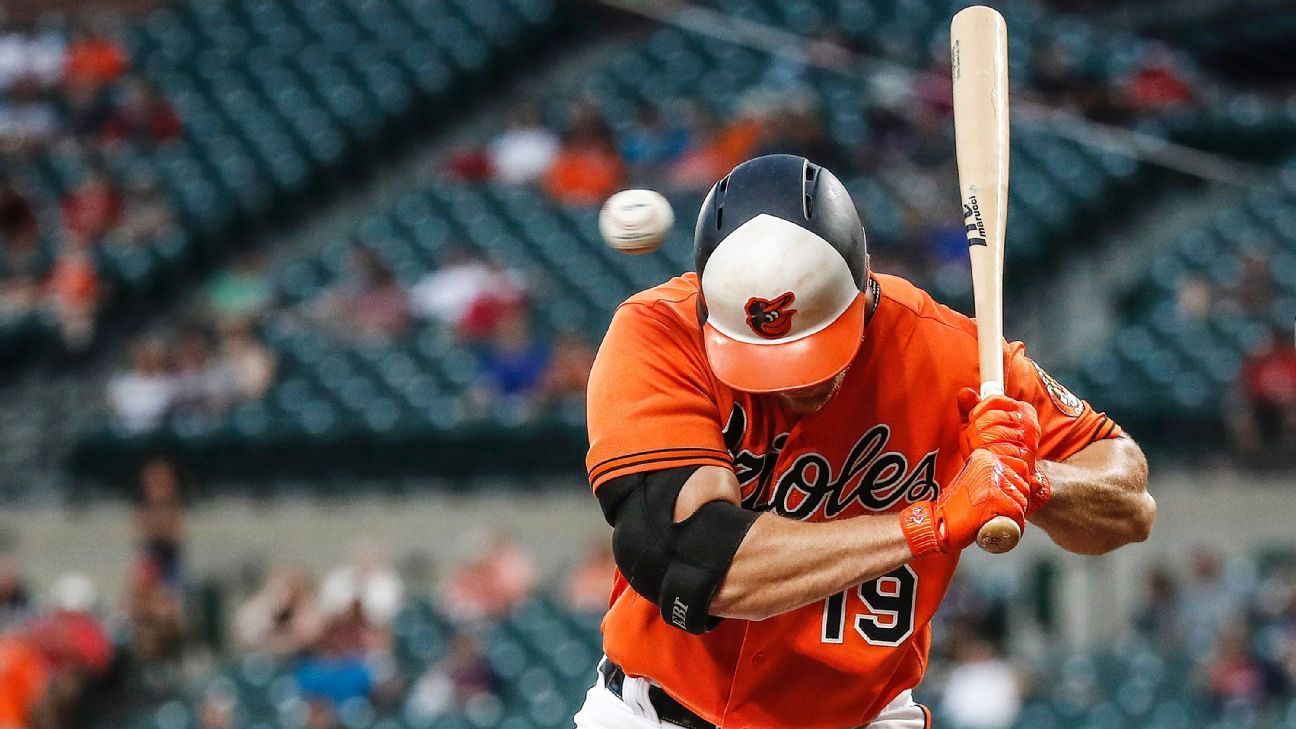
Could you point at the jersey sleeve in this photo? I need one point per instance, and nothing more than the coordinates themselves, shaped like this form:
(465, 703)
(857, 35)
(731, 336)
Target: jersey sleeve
(651, 402)
(1067, 423)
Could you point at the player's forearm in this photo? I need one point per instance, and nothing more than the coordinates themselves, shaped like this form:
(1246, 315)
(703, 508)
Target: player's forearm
(784, 564)
(1100, 499)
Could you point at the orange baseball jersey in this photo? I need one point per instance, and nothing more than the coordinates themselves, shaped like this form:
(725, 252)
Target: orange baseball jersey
(890, 436)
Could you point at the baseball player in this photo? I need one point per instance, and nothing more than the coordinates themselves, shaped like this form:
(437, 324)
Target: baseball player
(792, 457)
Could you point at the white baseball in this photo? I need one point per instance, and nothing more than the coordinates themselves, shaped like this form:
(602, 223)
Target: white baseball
(636, 221)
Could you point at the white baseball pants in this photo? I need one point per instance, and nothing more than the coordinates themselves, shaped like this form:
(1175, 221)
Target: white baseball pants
(603, 710)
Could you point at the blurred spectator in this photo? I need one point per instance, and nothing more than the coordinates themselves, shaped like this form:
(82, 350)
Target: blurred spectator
(1157, 84)
(21, 259)
(1238, 681)
(982, 690)
(33, 56)
(1213, 601)
(147, 215)
(652, 143)
(141, 116)
(15, 600)
(197, 388)
(160, 520)
(523, 152)
(369, 305)
(369, 583)
(28, 119)
(18, 226)
(497, 578)
(283, 618)
(566, 378)
(73, 292)
(1159, 618)
(352, 657)
(456, 682)
(589, 586)
(468, 293)
(93, 60)
(156, 615)
(717, 148)
(471, 165)
(68, 635)
(1263, 418)
(24, 678)
(336, 672)
(74, 647)
(244, 368)
(239, 290)
(140, 396)
(587, 168)
(92, 207)
(513, 363)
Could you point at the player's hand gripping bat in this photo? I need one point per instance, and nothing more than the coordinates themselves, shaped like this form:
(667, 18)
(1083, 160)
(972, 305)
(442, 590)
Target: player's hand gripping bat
(979, 54)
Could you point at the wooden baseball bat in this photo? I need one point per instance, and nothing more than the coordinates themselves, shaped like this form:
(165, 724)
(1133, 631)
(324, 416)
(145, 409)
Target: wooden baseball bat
(979, 56)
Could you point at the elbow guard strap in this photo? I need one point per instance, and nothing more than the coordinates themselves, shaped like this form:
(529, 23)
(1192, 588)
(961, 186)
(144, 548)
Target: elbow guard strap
(705, 544)
(679, 567)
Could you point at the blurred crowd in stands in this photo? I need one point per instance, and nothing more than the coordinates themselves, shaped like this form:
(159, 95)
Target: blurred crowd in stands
(1262, 407)
(1263, 420)
(69, 99)
(217, 358)
(69, 659)
(212, 359)
(679, 145)
(68, 656)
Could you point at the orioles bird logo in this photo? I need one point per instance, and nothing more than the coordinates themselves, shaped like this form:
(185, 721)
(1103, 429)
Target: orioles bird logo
(768, 317)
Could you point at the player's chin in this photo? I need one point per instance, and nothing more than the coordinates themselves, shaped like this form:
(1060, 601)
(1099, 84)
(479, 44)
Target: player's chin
(807, 400)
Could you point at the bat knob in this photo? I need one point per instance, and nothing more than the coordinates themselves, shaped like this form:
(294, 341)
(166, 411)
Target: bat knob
(999, 535)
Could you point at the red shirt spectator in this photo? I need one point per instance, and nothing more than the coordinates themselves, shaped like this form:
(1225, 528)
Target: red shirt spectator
(72, 641)
(94, 61)
(1270, 377)
(93, 207)
(1156, 84)
(1158, 88)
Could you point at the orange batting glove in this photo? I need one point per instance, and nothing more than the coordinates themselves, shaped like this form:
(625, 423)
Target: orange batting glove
(988, 486)
(1005, 427)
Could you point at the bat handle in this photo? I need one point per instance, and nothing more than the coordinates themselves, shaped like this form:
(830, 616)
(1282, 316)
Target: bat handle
(1000, 534)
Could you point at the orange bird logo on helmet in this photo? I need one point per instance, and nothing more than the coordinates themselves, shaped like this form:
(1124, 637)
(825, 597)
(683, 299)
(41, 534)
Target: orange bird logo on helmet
(770, 318)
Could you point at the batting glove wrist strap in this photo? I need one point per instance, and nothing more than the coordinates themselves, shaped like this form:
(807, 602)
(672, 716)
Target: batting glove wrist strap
(918, 522)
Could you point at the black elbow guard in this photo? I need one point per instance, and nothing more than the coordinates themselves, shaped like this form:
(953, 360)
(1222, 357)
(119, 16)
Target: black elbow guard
(679, 567)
